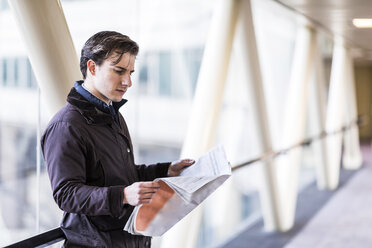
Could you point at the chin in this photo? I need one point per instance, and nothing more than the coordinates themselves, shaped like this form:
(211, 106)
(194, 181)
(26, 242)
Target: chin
(117, 99)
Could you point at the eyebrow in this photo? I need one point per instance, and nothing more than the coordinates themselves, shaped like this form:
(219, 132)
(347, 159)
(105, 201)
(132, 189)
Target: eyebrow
(122, 68)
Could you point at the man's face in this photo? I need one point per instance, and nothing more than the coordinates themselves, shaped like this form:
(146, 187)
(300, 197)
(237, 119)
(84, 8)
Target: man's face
(111, 80)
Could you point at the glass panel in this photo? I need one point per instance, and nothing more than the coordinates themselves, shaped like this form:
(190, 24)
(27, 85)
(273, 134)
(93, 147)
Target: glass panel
(276, 47)
(17, 163)
(18, 142)
(237, 128)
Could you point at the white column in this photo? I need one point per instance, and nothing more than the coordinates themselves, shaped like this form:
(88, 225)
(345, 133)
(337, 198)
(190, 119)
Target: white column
(317, 118)
(335, 112)
(206, 108)
(50, 48)
(352, 157)
(247, 40)
(294, 124)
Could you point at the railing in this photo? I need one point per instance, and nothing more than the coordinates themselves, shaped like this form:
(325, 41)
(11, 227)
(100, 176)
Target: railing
(42, 240)
(305, 142)
(56, 235)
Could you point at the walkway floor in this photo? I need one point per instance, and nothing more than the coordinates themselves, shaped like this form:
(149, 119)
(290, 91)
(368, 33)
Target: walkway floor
(324, 219)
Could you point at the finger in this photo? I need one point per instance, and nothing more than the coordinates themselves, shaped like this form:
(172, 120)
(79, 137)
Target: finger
(149, 185)
(147, 190)
(188, 161)
(185, 164)
(144, 201)
(146, 196)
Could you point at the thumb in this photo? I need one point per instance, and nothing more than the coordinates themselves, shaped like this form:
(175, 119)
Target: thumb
(188, 161)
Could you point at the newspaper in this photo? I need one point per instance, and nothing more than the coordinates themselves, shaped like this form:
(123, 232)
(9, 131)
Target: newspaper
(178, 196)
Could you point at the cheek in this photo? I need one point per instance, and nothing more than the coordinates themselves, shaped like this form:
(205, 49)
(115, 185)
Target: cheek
(112, 78)
(110, 81)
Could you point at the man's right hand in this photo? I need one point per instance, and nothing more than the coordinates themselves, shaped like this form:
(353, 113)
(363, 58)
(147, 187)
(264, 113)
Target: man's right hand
(140, 193)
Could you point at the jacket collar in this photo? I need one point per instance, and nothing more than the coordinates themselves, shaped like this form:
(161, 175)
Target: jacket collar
(101, 105)
(92, 113)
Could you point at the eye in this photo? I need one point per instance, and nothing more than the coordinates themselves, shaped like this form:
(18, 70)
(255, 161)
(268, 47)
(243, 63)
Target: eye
(120, 72)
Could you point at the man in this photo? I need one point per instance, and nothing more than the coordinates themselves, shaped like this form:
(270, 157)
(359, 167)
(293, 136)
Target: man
(89, 153)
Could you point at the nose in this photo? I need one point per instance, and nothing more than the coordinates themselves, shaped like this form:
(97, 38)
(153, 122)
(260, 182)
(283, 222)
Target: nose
(126, 81)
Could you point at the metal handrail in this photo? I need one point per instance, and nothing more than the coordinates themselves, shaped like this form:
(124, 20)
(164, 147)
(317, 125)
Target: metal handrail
(56, 235)
(305, 142)
(42, 240)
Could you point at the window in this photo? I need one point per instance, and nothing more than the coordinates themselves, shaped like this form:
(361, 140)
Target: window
(4, 5)
(193, 58)
(5, 71)
(17, 72)
(165, 75)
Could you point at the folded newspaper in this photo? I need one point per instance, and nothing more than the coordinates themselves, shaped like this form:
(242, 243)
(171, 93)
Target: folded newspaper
(178, 196)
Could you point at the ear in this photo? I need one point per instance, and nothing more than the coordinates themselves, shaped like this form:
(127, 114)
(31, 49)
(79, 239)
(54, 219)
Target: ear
(91, 67)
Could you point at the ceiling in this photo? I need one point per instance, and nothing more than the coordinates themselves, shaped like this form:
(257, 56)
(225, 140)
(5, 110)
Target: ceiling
(336, 16)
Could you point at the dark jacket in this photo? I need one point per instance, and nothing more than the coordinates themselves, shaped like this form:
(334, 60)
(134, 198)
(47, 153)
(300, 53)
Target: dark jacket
(90, 160)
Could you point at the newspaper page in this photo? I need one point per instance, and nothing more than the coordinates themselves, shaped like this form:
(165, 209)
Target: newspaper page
(178, 196)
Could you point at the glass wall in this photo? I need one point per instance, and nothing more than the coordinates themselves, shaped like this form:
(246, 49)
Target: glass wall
(167, 68)
(237, 129)
(26, 205)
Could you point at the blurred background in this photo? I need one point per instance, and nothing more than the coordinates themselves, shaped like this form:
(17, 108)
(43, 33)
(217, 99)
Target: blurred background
(172, 35)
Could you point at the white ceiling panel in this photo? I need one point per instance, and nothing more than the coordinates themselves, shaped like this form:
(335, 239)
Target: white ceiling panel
(336, 16)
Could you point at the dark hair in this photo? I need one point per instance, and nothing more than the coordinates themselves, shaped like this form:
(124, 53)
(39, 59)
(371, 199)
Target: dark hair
(102, 45)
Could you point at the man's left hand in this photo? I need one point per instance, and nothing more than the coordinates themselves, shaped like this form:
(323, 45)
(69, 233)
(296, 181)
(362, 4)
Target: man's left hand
(178, 166)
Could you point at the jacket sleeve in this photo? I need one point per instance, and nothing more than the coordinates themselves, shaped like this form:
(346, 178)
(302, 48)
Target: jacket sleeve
(150, 172)
(65, 153)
